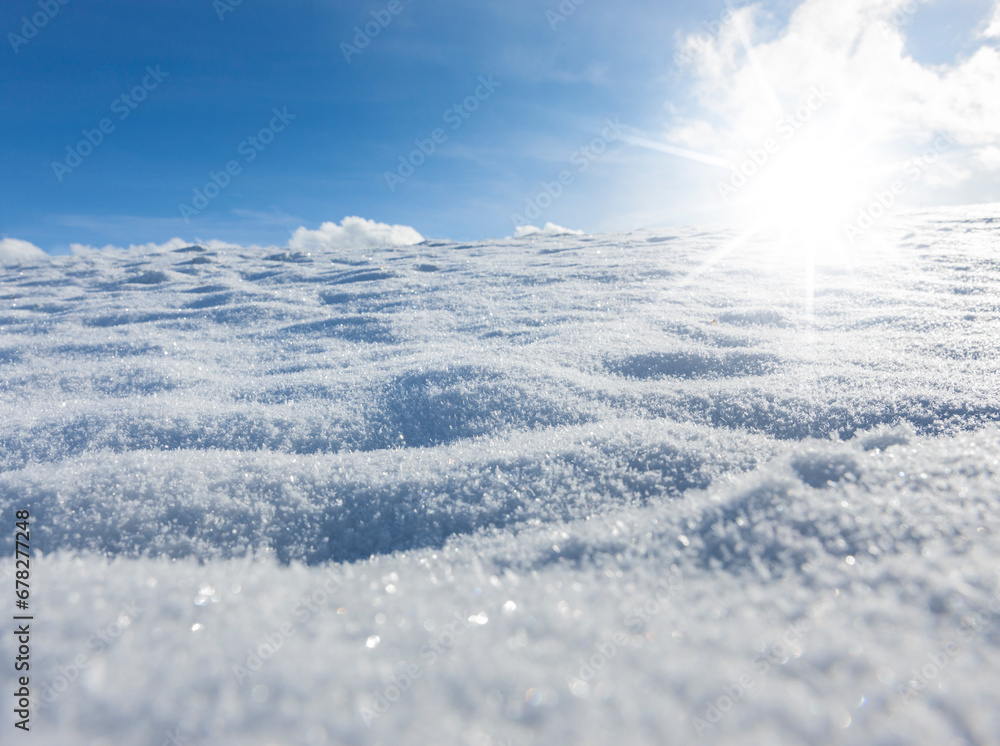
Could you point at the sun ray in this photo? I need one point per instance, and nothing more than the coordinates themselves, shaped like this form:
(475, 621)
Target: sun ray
(691, 155)
(720, 254)
(758, 68)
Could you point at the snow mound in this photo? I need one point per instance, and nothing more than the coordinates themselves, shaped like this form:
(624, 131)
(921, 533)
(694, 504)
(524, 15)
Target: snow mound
(14, 251)
(550, 229)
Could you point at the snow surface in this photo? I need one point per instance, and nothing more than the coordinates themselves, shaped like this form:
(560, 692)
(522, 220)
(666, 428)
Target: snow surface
(551, 490)
(549, 229)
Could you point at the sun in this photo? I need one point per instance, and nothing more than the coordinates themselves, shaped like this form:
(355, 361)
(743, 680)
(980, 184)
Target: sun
(810, 190)
(804, 195)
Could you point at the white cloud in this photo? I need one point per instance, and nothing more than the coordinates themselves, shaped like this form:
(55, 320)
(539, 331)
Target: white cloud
(884, 106)
(15, 250)
(354, 233)
(153, 248)
(550, 229)
(990, 158)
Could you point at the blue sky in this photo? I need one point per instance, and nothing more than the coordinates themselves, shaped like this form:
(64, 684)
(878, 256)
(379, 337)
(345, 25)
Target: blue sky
(227, 69)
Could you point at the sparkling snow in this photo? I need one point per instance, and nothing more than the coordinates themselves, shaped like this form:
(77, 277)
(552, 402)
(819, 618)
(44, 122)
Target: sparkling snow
(548, 490)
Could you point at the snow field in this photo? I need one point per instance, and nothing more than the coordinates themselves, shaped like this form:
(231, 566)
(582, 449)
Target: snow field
(547, 490)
